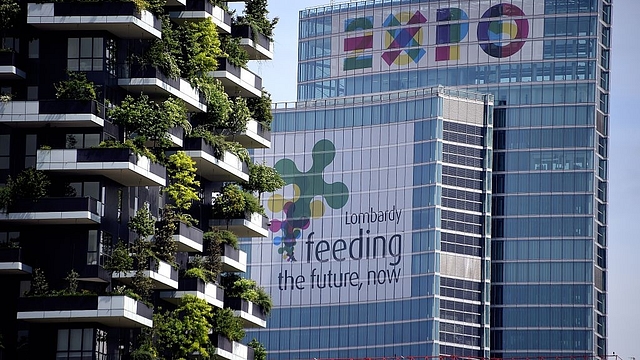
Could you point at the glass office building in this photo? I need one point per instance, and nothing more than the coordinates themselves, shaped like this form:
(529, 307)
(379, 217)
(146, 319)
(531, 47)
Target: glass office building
(380, 240)
(546, 62)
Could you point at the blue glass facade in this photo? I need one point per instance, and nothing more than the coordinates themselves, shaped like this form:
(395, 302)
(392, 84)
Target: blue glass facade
(547, 63)
(424, 153)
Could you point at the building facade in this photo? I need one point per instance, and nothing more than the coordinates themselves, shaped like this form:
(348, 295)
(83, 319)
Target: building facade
(547, 64)
(113, 156)
(380, 239)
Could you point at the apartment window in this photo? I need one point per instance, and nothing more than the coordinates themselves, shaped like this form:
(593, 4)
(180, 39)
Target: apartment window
(4, 151)
(34, 49)
(11, 43)
(9, 238)
(78, 344)
(85, 54)
(82, 141)
(31, 148)
(84, 189)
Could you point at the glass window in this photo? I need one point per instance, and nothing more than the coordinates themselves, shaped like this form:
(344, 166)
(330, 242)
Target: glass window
(85, 54)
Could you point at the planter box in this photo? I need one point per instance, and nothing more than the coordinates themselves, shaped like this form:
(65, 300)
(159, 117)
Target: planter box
(189, 238)
(251, 314)
(233, 260)
(12, 66)
(59, 113)
(203, 9)
(119, 165)
(116, 311)
(162, 275)
(119, 18)
(228, 168)
(237, 79)
(230, 350)
(57, 211)
(250, 225)
(258, 46)
(11, 262)
(255, 136)
(211, 293)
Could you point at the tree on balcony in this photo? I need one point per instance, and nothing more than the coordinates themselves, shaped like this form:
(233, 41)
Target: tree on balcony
(263, 178)
(259, 351)
(143, 225)
(255, 15)
(30, 184)
(260, 109)
(235, 54)
(225, 323)
(247, 289)
(200, 49)
(234, 203)
(76, 87)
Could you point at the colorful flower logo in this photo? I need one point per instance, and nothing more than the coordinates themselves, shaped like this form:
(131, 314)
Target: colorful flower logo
(503, 38)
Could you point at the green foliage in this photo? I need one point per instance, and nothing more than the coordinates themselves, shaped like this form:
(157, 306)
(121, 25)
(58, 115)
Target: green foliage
(197, 272)
(247, 289)
(120, 261)
(136, 145)
(238, 150)
(142, 354)
(30, 184)
(232, 50)
(9, 10)
(183, 187)
(263, 178)
(200, 48)
(142, 285)
(174, 112)
(222, 237)
(217, 142)
(77, 87)
(185, 330)
(259, 351)
(239, 115)
(255, 14)
(164, 247)
(218, 104)
(227, 325)
(233, 203)
(142, 223)
(39, 284)
(165, 53)
(72, 283)
(260, 109)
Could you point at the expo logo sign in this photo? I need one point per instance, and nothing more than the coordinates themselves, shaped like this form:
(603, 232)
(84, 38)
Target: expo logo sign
(498, 38)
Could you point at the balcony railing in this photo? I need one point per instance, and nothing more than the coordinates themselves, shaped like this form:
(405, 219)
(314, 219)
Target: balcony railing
(60, 113)
(163, 275)
(11, 262)
(255, 136)
(189, 238)
(227, 168)
(12, 66)
(203, 9)
(233, 260)
(211, 293)
(147, 78)
(62, 211)
(258, 46)
(249, 225)
(119, 164)
(115, 311)
(252, 315)
(122, 19)
(238, 80)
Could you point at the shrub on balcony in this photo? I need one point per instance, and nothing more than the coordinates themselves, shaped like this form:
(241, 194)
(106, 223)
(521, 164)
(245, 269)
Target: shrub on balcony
(76, 87)
(164, 248)
(227, 324)
(164, 54)
(247, 289)
(263, 178)
(259, 351)
(260, 109)
(183, 186)
(200, 49)
(9, 11)
(179, 333)
(234, 203)
(255, 15)
(120, 260)
(136, 145)
(30, 184)
(39, 284)
(235, 54)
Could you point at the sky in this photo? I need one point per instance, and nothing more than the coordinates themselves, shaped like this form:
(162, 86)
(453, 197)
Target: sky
(279, 78)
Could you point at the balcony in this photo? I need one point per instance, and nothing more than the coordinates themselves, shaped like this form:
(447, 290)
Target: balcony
(162, 275)
(114, 311)
(119, 165)
(251, 225)
(54, 211)
(138, 78)
(54, 113)
(188, 238)
(203, 9)
(233, 260)
(258, 46)
(255, 136)
(237, 80)
(119, 18)
(11, 66)
(230, 350)
(228, 168)
(209, 292)
(250, 313)
(11, 262)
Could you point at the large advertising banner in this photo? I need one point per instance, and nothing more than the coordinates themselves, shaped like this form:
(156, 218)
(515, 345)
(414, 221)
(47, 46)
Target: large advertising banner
(340, 230)
(444, 33)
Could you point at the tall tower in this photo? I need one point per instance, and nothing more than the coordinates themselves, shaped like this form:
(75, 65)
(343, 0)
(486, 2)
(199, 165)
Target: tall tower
(547, 64)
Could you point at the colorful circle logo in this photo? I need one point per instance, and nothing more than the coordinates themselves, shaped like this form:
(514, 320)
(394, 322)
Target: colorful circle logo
(503, 38)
